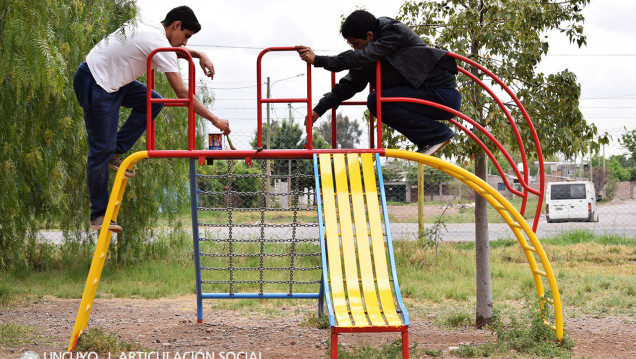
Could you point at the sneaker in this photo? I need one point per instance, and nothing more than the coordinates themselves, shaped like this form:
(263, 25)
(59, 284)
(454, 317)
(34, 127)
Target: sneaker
(114, 164)
(96, 224)
(432, 149)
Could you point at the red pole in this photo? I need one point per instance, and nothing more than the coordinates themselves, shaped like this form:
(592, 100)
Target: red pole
(334, 133)
(189, 102)
(378, 97)
(310, 129)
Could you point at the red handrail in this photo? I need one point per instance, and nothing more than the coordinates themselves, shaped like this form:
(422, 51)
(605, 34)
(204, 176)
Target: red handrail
(189, 102)
(523, 181)
(260, 100)
(193, 153)
(533, 131)
(349, 103)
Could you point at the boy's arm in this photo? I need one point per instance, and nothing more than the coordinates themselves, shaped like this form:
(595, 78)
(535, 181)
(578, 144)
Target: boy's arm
(181, 91)
(204, 61)
(354, 82)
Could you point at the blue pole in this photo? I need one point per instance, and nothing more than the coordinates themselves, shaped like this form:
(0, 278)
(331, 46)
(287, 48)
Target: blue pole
(195, 237)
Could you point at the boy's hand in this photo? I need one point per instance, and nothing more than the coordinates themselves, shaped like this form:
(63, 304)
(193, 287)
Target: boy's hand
(306, 54)
(207, 66)
(310, 120)
(223, 125)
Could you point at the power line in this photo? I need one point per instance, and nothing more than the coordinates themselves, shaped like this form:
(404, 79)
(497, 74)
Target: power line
(591, 55)
(247, 47)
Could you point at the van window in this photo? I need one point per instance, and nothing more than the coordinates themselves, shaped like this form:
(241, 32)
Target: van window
(568, 191)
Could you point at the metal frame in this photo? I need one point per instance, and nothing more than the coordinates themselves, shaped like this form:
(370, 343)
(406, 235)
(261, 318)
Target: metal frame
(505, 209)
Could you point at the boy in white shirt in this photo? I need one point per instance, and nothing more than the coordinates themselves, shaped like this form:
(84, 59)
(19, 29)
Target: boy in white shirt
(107, 80)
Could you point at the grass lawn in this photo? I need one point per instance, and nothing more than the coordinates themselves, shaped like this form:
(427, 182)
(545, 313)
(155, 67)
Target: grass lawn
(595, 276)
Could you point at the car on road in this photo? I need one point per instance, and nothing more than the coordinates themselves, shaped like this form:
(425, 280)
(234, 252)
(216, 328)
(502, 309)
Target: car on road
(571, 202)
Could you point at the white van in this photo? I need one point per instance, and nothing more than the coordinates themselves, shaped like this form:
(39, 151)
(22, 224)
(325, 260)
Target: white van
(570, 201)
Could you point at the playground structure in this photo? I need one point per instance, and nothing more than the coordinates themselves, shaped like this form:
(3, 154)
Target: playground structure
(351, 213)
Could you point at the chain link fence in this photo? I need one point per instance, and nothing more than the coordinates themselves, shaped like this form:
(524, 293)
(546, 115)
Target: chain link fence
(446, 200)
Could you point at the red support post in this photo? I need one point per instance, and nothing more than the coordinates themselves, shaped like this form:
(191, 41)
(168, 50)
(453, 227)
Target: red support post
(405, 344)
(378, 93)
(260, 101)
(189, 102)
(334, 343)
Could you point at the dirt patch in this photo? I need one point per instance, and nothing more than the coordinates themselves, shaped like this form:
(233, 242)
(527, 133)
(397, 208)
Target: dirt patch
(169, 325)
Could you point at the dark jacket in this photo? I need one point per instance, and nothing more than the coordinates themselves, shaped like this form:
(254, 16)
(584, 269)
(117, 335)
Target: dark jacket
(402, 52)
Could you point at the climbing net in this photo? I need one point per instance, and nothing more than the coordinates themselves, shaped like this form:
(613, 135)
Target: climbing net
(256, 229)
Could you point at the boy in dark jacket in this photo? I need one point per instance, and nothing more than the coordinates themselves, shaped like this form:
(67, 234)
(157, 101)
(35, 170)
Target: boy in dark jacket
(409, 69)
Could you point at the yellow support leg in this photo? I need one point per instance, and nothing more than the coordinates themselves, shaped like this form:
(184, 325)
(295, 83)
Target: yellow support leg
(101, 249)
(513, 218)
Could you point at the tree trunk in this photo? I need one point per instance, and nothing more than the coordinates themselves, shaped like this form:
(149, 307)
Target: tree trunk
(483, 314)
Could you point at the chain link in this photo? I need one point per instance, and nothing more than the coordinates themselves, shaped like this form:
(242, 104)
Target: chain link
(255, 281)
(279, 225)
(219, 209)
(262, 238)
(246, 193)
(282, 240)
(247, 269)
(229, 217)
(252, 175)
(251, 255)
(234, 253)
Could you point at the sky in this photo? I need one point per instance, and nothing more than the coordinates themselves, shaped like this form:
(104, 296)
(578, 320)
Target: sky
(234, 33)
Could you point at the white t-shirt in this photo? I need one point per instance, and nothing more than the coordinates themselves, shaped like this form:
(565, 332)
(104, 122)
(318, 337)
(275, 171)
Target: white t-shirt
(121, 58)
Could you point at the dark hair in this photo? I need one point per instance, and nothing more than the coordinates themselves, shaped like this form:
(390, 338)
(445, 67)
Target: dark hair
(358, 23)
(186, 16)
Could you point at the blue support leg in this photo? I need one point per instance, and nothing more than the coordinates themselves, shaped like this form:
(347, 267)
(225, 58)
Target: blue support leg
(195, 237)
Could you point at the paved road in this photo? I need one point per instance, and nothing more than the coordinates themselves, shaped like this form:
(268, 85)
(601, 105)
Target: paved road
(617, 217)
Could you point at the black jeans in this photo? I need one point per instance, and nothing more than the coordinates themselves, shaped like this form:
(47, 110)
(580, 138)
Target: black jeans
(419, 123)
(101, 117)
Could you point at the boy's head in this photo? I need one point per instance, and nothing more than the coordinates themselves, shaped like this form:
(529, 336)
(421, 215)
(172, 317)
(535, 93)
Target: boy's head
(186, 16)
(180, 24)
(359, 28)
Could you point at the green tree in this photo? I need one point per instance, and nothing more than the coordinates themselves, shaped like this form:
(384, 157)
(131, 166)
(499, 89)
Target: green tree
(287, 134)
(617, 172)
(348, 132)
(393, 171)
(42, 134)
(432, 179)
(628, 140)
(507, 37)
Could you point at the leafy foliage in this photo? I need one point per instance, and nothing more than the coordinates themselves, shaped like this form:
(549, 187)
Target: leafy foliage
(348, 131)
(287, 134)
(507, 38)
(42, 134)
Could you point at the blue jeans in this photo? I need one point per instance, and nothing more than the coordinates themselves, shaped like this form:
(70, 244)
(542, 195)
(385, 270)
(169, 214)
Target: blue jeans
(101, 117)
(419, 123)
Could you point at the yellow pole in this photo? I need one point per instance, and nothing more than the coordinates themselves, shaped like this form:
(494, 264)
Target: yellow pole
(513, 218)
(101, 248)
(420, 201)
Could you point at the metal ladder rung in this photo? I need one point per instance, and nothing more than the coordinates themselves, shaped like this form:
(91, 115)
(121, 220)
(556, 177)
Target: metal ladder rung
(528, 248)
(539, 272)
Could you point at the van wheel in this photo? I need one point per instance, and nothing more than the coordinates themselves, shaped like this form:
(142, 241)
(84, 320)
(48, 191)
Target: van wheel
(549, 220)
